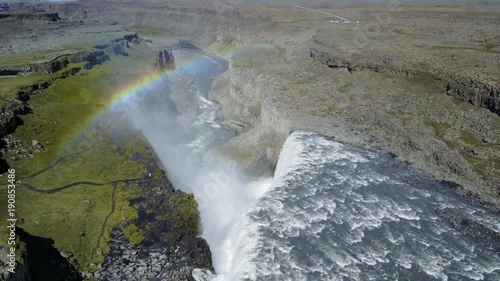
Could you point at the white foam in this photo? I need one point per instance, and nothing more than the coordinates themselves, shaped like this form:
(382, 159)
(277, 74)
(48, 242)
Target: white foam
(288, 159)
(202, 274)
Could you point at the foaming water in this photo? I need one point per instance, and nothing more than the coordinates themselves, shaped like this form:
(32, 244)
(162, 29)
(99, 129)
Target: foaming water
(331, 211)
(341, 213)
(224, 192)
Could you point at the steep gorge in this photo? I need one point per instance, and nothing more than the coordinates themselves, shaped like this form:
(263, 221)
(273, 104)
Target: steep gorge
(285, 76)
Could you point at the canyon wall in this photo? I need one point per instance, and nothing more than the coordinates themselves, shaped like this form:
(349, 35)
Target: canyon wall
(200, 25)
(414, 88)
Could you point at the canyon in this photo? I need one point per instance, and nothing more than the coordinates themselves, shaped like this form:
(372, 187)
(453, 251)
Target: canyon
(402, 82)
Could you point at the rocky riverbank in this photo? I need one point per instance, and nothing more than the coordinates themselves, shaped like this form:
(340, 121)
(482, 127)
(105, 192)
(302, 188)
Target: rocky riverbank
(419, 104)
(170, 247)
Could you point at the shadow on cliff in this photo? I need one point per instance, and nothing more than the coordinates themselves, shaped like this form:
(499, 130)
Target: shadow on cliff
(46, 262)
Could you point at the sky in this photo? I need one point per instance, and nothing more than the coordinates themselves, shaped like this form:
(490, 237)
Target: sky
(330, 1)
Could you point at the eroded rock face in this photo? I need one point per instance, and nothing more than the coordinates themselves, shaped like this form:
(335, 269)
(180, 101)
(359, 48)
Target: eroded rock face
(70, 72)
(461, 86)
(9, 119)
(92, 58)
(165, 60)
(22, 271)
(39, 17)
(46, 67)
(171, 247)
(119, 48)
(475, 92)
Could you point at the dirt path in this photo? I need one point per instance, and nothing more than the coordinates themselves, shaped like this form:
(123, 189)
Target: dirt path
(66, 186)
(105, 223)
(60, 160)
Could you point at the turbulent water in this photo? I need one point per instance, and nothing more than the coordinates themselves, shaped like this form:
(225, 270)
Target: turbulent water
(341, 213)
(331, 212)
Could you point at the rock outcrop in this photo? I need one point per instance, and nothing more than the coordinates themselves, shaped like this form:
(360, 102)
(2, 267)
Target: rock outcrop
(165, 60)
(119, 45)
(25, 92)
(200, 24)
(41, 258)
(91, 58)
(70, 72)
(476, 92)
(464, 88)
(45, 67)
(470, 227)
(171, 247)
(9, 116)
(22, 270)
(39, 16)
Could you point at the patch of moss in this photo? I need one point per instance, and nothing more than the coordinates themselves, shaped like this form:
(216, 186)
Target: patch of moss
(226, 45)
(243, 63)
(72, 218)
(10, 85)
(40, 56)
(160, 174)
(212, 40)
(133, 234)
(240, 155)
(187, 207)
(345, 87)
(476, 163)
(255, 109)
(469, 138)
(440, 129)
(153, 31)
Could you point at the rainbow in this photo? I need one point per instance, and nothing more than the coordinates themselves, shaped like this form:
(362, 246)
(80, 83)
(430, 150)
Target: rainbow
(120, 100)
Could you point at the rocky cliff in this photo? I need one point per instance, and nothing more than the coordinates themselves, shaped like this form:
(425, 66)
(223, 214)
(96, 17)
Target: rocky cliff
(45, 67)
(163, 242)
(22, 271)
(38, 16)
(165, 60)
(171, 247)
(200, 23)
(361, 106)
(472, 89)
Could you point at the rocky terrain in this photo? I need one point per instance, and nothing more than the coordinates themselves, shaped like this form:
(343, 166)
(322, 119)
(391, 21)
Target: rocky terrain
(402, 80)
(156, 228)
(418, 82)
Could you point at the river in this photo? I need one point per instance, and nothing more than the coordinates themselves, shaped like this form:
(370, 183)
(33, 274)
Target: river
(331, 211)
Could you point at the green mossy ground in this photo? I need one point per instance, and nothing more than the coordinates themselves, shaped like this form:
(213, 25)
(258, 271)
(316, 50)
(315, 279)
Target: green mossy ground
(188, 210)
(183, 213)
(28, 58)
(12, 84)
(226, 45)
(134, 234)
(150, 31)
(79, 219)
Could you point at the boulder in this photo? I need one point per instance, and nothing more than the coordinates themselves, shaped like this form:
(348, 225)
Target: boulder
(165, 60)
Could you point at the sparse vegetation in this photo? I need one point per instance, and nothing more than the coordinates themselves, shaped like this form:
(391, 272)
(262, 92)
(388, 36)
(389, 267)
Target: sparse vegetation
(153, 31)
(226, 45)
(184, 212)
(134, 234)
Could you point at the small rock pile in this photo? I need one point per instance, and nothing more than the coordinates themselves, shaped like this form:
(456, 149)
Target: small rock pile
(138, 263)
(20, 149)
